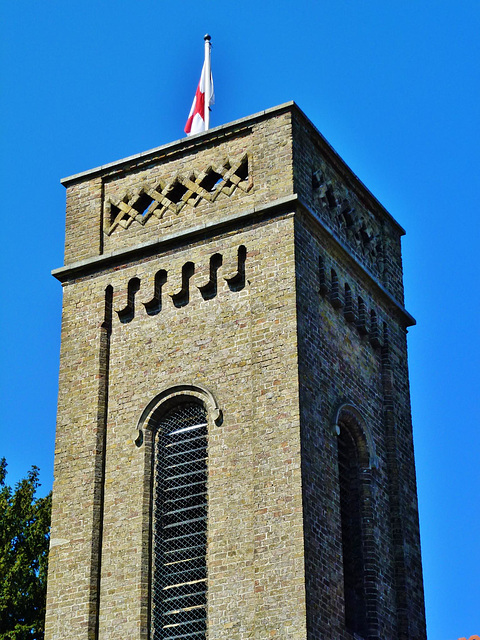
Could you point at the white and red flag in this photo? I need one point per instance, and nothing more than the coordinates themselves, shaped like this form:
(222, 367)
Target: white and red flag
(199, 116)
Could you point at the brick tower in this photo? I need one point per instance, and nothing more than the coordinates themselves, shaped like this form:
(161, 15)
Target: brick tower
(234, 446)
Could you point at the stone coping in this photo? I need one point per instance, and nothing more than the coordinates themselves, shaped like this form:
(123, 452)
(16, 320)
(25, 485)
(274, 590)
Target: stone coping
(200, 139)
(195, 140)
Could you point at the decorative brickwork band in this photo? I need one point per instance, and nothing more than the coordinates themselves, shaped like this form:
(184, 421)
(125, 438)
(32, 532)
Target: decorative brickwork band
(154, 305)
(340, 297)
(155, 200)
(236, 282)
(348, 311)
(335, 299)
(182, 297)
(209, 289)
(128, 312)
(362, 316)
(348, 218)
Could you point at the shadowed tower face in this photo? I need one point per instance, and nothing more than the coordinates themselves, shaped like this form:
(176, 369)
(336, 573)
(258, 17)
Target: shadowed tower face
(234, 446)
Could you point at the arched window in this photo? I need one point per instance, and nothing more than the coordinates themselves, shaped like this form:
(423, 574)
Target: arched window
(351, 503)
(179, 542)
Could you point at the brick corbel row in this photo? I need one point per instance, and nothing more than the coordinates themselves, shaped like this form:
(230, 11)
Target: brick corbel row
(177, 284)
(366, 321)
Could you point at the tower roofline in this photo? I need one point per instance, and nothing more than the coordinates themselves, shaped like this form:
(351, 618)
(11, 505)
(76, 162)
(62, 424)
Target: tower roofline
(187, 142)
(199, 139)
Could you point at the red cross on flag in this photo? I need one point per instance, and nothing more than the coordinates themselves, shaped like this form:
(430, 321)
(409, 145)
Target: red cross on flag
(199, 116)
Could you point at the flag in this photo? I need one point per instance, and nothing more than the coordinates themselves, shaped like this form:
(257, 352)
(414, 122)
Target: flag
(196, 117)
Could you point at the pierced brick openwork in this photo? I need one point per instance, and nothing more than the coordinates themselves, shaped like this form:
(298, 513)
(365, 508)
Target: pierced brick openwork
(155, 200)
(353, 222)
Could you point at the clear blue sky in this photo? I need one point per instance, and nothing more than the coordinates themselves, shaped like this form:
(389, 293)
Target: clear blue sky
(393, 86)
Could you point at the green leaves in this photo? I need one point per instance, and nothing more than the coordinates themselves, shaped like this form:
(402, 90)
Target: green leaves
(24, 540)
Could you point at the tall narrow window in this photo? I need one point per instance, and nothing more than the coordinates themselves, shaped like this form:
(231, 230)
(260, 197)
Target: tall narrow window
(351, 504)
(179, 593)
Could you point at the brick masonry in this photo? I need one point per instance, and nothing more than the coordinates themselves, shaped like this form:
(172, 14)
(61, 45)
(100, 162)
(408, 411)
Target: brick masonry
(220, 261)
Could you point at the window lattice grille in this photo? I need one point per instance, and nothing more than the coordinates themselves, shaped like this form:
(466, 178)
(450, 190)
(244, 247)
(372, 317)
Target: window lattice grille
(180, 525)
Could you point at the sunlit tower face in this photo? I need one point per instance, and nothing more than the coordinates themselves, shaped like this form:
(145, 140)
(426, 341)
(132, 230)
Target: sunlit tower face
(233, 449)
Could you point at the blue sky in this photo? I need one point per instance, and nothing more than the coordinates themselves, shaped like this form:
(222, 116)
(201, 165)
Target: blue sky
(393, 86)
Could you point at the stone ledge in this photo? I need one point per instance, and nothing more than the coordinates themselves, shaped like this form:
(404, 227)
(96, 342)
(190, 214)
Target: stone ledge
(409, 320)
(89, 265)
(277, 207)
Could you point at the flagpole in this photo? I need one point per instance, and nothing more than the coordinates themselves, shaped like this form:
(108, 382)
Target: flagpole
(208, 77)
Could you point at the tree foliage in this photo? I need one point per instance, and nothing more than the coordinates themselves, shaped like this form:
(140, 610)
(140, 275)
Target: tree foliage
(24, 540)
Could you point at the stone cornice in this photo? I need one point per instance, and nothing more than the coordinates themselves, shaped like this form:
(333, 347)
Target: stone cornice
(243, 218)
(179, 238)
(408, 319)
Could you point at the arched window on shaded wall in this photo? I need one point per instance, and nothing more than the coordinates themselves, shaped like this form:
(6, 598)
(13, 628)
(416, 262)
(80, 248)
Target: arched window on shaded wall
(357, 468)
(351, 513)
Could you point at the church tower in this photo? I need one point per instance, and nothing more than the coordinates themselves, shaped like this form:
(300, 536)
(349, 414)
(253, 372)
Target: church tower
(234, 444)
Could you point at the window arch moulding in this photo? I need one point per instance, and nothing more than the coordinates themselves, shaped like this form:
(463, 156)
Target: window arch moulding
(175, 394)
(350, 414)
